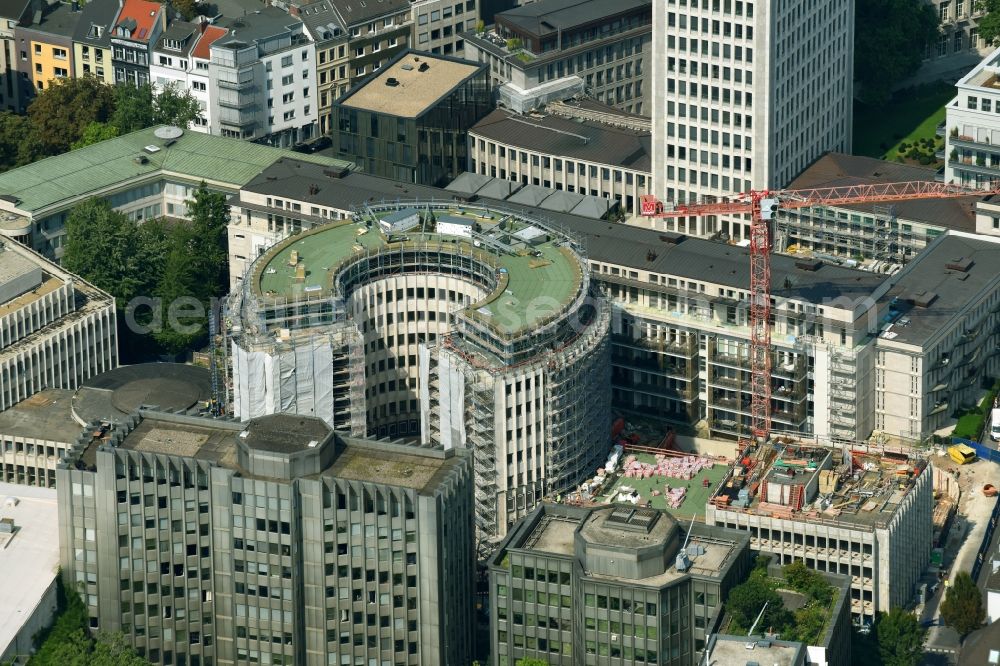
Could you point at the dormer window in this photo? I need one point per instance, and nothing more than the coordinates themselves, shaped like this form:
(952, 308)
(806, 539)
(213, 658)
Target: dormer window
(172, 44)
(95, 32)
(122, 31)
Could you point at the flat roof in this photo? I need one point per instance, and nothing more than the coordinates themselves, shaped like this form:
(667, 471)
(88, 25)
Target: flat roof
(580, 139)
(284, 433)
(554, 274)
(952, 289)
(388, 462)
(417, 91)
(46, 415)
(96, 168)
(118, 393)
(547, 17)
(733, 650)
(30, 561)
(840, 170)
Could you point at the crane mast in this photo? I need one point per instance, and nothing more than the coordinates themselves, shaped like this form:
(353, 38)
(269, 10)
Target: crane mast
(762, 205)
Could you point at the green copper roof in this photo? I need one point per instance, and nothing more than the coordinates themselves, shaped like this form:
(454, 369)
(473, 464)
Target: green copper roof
(103, 166)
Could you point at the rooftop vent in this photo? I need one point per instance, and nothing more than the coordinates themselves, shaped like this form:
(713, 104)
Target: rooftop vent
(335, 173)
(423, 67)
(673, 240)
(808, 264)
(313, 189)
(6, 525)
(392, 82)
(924, 299)
(962, 264)
(151, 149)
(407, 67)
(141, 159)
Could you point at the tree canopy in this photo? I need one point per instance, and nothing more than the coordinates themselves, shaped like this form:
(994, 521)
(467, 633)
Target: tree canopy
(68, 643)
(900, 638)
(989, 22)
(962, 608)
(893, 36)
(182, 263)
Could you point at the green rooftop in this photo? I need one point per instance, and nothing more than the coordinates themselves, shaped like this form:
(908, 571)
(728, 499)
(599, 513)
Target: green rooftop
(532, 289)
(100, 167)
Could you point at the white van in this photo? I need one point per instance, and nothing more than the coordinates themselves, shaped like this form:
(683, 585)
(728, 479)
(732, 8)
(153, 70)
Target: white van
(995, 425)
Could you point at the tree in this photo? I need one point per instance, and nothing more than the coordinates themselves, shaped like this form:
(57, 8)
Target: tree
(106, 248)
(747, 599)
(13, 129)
(60, 113)
(900, 638)
(175, 106)
(989, 23)
(134, 108)
(962, 608)
(893, 35)
(95, 132)
(187, 8)
(209, 215)
(178, 288)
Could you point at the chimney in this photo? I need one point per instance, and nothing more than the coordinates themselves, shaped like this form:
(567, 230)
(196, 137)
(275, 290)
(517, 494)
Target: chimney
(293, 10)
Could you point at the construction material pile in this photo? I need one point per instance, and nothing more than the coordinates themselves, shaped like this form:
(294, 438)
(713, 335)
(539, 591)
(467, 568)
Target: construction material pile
(672, 467)
(675, 496)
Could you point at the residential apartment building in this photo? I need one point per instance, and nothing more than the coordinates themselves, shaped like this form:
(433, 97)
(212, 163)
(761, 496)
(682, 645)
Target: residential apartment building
(276, 541)
(181, 60)
(410, 121)
(572, 585)
(973, 126)
(439, 25)
(746, 98)
(92, 52)
(263, 80)
(959, 38)
(149, 173)
(45, 42)
(892, 234)
(55, 329)
(331, 55)
(579, 147)
(10, 76)
(551, 50)
(136, 30)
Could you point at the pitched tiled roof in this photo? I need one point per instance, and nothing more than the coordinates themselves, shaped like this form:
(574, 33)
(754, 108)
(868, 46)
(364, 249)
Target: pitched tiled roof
(202, 49)
(139, 16)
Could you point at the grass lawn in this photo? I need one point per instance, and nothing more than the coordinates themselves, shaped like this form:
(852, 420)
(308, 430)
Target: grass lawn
(694, 502)
(911, 114)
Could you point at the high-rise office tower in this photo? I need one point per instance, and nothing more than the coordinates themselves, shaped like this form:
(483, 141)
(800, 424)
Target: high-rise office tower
(746, 94)
(278, 541)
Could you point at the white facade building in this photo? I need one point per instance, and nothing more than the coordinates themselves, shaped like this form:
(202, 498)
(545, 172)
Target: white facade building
(263, 80)
(972, 139)
(180, 59)
(746, 94)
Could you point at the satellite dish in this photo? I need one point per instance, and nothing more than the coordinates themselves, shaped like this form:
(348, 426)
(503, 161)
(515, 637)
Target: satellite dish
(168, 132)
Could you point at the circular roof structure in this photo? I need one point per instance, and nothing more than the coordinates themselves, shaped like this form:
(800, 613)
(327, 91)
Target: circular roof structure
(117, 393)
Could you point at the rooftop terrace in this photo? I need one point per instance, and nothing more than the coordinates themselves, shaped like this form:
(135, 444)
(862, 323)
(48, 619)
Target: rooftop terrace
(530, 278)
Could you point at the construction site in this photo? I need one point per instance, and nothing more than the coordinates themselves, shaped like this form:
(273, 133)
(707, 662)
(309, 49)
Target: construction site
(448, 324)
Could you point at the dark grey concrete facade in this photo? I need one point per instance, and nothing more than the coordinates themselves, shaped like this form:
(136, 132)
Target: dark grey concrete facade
(278, 541)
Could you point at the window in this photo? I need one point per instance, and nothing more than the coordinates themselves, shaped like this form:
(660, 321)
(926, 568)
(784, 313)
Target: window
(287, 80)
(289, 115)
(286, 61)
(59, 53)
(199, 85)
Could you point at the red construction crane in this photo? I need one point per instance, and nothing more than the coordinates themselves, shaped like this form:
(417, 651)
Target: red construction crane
(762, 205)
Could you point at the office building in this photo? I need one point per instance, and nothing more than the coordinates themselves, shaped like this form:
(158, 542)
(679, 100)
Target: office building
(410, 122)
(857, 514)
(580, 147)
(55, 329)
(275, 541)
(439, 25)
(92, 52)
(36, 433)
(262, 80)
(745, 99)
(11, 86)
(573, 585)
(148, 173)
(136, 30)
(551, 50)
(45, 43)
(29, 565)
(891, 233)
(502, 348)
